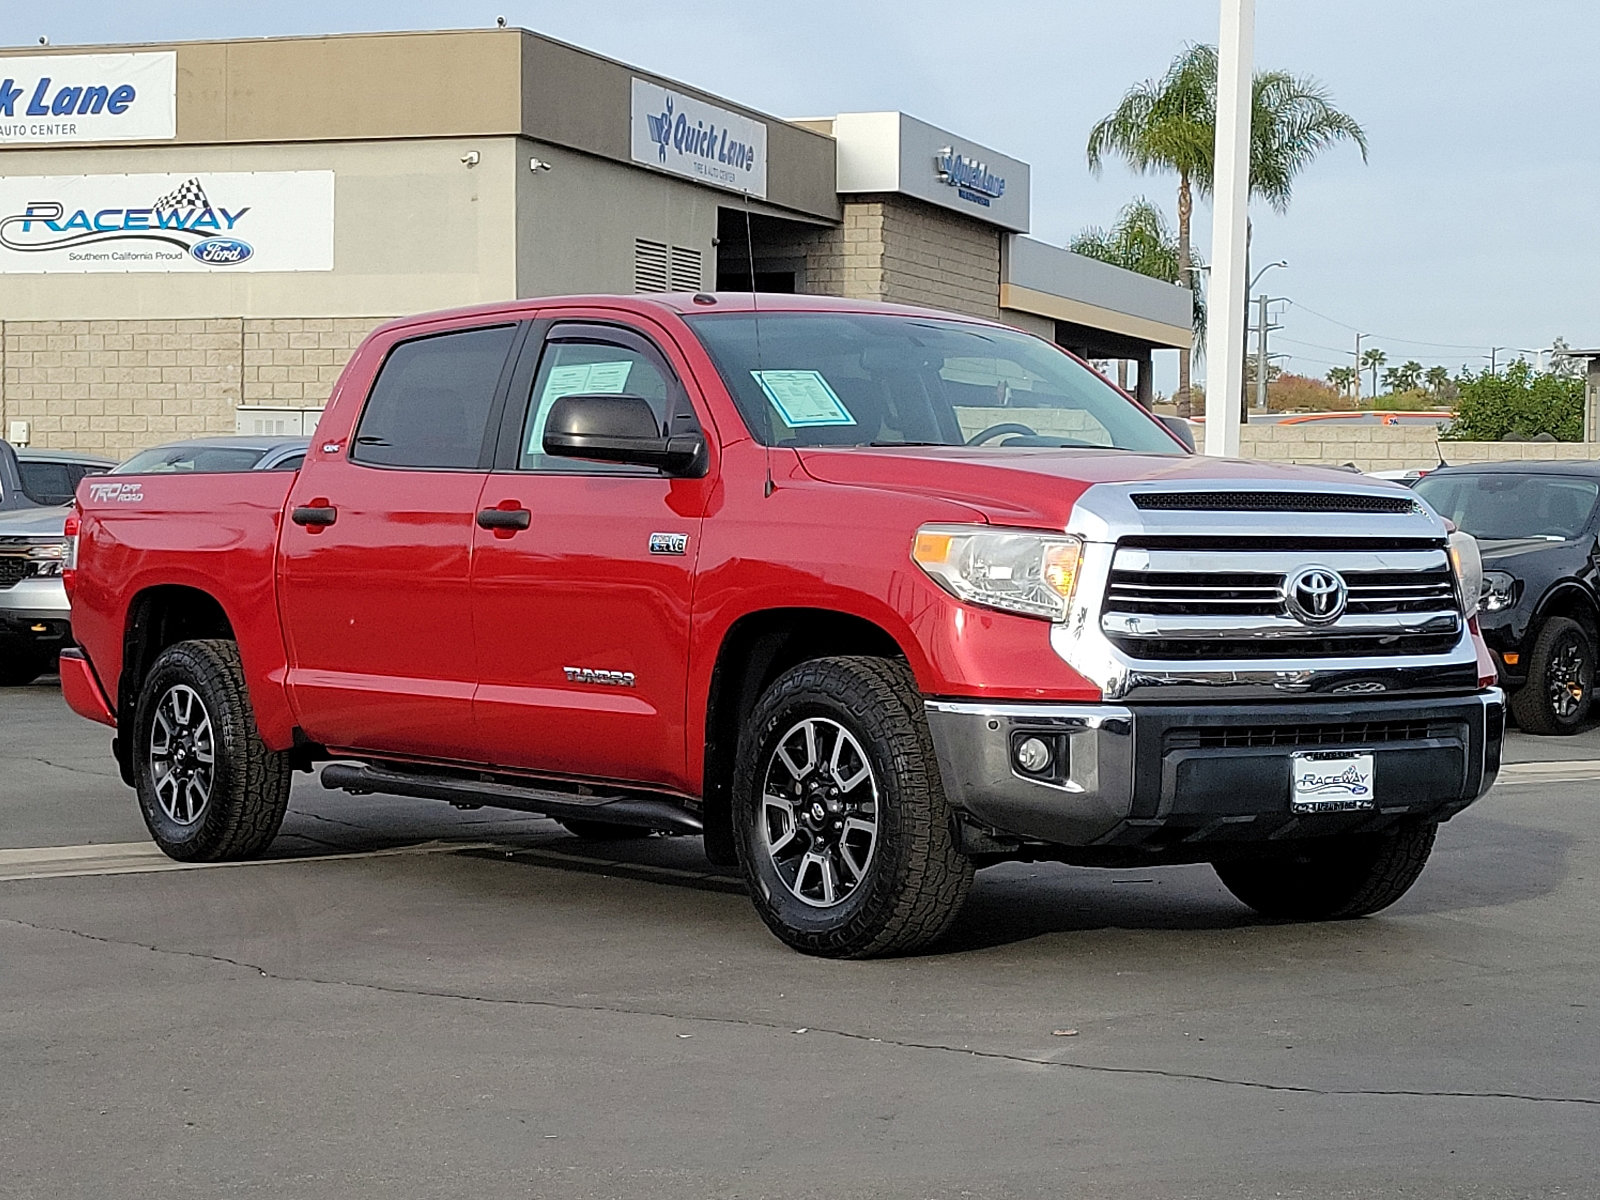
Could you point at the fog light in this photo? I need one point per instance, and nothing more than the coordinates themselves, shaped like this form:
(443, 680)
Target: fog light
(1033, 755)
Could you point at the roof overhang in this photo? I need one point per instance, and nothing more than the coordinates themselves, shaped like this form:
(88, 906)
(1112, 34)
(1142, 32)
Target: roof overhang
(1048, 281)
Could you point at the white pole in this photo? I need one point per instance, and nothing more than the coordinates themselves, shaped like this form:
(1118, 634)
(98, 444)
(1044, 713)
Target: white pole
(1225, 328)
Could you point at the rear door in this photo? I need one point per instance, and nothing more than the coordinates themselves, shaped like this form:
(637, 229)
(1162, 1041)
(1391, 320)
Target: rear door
(375, 566)
(583, 616)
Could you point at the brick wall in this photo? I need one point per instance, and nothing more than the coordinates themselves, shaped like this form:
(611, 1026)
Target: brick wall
(118, 386)
(295, 361)
(1389, 447)
(908, 252)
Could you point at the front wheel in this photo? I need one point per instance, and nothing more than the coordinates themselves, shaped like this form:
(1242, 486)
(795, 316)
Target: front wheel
(844, 833)
(1333, 878)
(1556, 698)
(209, 789)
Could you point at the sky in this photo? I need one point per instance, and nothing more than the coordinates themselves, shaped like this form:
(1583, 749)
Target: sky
(1472, 225)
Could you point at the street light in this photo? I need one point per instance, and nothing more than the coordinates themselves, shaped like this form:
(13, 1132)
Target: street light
(1264, 270)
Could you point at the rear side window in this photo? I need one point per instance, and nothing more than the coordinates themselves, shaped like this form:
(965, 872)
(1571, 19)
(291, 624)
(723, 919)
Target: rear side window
(190, 460)
(430, 405)
(48, 483)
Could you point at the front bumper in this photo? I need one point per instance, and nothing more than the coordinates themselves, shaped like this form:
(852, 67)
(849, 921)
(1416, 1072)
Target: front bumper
(36, 601)
(1187, 780)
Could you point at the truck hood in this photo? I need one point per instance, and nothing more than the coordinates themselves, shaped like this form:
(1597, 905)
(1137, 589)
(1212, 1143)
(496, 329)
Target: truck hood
(1038, 487)
(1509, 552)
(35, 522)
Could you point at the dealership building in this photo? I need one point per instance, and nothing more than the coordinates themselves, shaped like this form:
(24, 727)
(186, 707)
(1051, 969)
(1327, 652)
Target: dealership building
(194, 236)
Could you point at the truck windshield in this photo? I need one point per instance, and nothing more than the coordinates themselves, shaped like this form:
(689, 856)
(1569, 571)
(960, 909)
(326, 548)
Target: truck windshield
(1500, 505)
(871, 379)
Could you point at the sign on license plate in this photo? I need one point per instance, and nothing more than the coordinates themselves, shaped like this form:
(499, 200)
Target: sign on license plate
(1330, 781)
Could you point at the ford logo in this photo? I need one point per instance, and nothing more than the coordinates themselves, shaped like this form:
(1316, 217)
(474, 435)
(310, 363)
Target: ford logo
(221, 252)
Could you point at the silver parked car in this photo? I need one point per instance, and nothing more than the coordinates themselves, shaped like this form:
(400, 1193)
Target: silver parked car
(35, 620)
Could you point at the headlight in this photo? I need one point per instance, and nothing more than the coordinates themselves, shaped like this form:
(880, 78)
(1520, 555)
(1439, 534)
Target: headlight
(52, 550)
(1469, 570)
(1014, 570)
(1499, 591)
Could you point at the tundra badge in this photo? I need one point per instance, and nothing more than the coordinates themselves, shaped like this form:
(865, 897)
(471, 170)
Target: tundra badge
(669, 543)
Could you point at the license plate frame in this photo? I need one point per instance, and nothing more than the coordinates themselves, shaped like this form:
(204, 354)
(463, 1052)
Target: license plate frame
(1331, 781)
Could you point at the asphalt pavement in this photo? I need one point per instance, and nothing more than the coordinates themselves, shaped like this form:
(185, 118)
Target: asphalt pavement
(410, 1000)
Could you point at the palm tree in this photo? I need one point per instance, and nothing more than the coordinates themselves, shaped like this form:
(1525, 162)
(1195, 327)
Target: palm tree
(1169, 124)
(1437, 377)
(1409, 375)
(1142, 241)
(1343, 378)
(1373, 359)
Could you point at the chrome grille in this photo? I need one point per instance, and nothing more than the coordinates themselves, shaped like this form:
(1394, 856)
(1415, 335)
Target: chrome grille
(1352, 733)
(13, 569)
(1225, 598)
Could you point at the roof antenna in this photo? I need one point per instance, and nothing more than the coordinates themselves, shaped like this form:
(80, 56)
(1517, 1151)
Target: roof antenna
(755, 321)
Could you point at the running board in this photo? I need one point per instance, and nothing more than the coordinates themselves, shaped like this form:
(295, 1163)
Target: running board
(611, 810)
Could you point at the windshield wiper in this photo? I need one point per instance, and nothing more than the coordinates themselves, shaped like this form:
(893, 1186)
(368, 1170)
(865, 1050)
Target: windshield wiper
(892, 445)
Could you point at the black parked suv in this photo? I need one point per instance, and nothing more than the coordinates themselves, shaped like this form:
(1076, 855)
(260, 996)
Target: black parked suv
(1537, 525)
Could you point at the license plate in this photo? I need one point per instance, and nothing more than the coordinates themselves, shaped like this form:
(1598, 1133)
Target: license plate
(1330, 781)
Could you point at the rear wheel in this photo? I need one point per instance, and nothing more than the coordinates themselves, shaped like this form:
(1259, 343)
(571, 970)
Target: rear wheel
(209, 788)
(843, 830)
(1333, 878)
(1558, 695)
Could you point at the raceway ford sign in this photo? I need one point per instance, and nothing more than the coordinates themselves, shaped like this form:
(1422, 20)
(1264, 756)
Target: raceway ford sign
(212, 221)
(49, 98)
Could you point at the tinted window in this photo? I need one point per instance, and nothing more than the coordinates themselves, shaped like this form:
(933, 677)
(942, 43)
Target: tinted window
(854, 379)
(292, 463)
(198, 460)
(1497, 505)
(430, 405)
(48, 482)
(586, 367)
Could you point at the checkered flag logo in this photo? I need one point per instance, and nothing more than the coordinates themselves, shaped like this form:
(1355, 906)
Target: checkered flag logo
(188, 195)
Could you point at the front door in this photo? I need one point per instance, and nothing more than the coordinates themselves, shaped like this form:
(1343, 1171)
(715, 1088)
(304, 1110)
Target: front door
(375, 586)
(583, 616)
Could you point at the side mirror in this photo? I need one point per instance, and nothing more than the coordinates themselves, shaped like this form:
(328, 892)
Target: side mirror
(621, 429)
(1180, 429)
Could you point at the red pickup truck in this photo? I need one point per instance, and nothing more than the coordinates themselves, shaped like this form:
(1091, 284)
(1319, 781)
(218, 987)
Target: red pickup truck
(868, 596)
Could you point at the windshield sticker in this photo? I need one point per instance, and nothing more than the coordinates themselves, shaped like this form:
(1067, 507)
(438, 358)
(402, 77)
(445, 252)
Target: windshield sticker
(803, 398)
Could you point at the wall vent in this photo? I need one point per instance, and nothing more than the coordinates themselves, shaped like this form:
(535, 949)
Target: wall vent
(650, 272)
(688, 275)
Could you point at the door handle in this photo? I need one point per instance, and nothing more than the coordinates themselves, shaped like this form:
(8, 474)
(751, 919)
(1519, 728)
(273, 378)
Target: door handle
(314, 515)
(504, 518)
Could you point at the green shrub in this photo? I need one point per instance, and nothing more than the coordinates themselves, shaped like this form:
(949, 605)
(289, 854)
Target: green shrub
(1517, 403)
(1411, 400)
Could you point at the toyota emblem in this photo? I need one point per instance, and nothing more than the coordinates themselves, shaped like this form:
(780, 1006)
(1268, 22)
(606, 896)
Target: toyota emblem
(1316, 596)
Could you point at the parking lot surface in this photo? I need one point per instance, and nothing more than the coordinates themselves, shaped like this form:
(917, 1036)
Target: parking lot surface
(409, 1000)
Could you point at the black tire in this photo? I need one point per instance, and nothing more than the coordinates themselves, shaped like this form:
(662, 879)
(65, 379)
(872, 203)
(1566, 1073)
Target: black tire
(248, 785)
(600, 831)
(1558, 694)
(913, 880)
(1333, 878)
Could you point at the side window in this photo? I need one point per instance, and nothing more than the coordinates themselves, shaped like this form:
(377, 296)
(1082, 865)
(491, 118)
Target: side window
(293, 463)
(430, 404)
(582, 366)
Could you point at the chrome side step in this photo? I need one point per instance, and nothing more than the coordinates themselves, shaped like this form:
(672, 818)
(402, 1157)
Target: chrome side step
(643, 811)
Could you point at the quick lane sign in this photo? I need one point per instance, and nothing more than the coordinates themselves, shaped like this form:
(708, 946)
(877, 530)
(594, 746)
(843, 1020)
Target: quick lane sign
(51, 98)
(677, 133)
(228, 221)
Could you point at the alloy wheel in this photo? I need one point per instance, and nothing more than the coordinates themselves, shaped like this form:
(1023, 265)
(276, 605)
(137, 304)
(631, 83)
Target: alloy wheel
(182, 755)
(1566, 678)
(819, 812)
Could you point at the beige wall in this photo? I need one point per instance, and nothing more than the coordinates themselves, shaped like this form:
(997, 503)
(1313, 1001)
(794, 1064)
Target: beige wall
(577, 221)
(907, 252)
(118, 386)
(1389, 447)
(414, 229)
